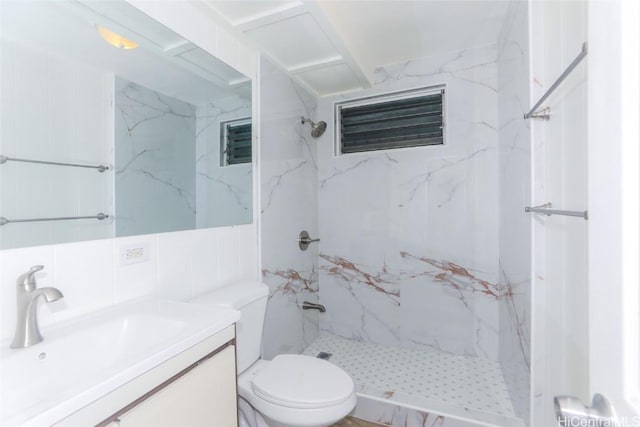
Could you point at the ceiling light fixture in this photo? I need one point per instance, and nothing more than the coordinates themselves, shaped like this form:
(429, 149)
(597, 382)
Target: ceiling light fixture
(115, 39)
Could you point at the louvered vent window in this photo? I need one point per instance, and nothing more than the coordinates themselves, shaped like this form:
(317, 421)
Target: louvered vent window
(236, 138)
(410, 119)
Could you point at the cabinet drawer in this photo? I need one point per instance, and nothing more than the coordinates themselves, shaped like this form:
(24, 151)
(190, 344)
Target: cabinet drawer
(203, 396)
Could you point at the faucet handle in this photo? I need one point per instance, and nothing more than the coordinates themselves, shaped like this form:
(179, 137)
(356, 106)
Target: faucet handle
(29, 278)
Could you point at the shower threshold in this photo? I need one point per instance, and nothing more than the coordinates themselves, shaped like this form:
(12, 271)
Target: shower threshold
(399, 386)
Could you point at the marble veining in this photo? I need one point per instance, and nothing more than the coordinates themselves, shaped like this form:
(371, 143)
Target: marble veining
(409, 237)
(154, 155)
(275, 181)
(385, 301)
(236, 191)
(132, 160)
(310, 151)
(455, 65)
(349, 272)
(519, 320)
(335, 173)
(417, 182)
(139, 105)
(171, 151)
(211, 114)
(288, 289)
(455, 276)
(514, 154)
(182, 194)
(224, 193)
(293, 282)
(289, 169)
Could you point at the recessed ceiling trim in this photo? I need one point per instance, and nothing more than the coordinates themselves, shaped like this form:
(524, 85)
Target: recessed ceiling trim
(179, 48)
(272, 18)
(249, 26)
(309, 66)
(240, 82)
(365, 78)
(331, 79)
(265, 15)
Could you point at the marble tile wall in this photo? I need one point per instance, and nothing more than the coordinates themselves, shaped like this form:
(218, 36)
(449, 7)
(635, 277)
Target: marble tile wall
(288, 205)
(409, 238)
(515, 193)
(155, 148)
(224, 193)
(169, 151)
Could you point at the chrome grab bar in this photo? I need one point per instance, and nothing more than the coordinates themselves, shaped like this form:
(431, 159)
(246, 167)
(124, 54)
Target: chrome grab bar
(5, 159)
(545, 114)
(100, 216)
(546, 210)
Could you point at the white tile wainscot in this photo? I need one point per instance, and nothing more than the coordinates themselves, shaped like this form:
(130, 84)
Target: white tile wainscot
(181, 265)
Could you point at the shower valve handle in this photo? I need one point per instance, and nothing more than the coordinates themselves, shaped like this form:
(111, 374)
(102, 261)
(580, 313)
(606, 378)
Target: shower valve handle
(304, 240)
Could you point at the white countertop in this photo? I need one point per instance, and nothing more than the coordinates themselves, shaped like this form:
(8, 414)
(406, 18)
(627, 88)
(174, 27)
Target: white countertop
(83, 359)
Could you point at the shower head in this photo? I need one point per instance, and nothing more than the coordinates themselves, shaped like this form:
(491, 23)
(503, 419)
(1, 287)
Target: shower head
(317, 129)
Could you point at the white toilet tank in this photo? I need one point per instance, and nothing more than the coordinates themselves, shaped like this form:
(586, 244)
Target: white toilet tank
(250, 298)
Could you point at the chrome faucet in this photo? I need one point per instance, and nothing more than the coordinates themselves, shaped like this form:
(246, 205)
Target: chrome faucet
(27, 330)
(306, 305)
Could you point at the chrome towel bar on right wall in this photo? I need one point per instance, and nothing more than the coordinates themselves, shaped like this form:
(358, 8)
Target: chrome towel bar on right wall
(545, 114)
(546, 210)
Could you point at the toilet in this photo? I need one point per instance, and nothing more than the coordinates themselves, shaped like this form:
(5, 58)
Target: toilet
(291, 390)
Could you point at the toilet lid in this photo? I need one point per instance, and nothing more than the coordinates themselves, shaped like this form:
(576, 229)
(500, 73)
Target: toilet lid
(298, 381)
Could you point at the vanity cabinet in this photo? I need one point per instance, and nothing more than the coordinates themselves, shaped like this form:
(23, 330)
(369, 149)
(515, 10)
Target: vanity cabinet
(194, 388)
(203, 396)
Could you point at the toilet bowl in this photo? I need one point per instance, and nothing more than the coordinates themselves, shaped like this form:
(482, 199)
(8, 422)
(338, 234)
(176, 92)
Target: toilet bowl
(249, 417)
(296, 390)
(289, 391)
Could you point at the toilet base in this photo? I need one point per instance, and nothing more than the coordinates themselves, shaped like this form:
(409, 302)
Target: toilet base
(272, 423)
(249, 417)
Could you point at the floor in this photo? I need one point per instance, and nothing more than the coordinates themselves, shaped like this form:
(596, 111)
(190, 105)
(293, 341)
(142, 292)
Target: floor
(355, 422)
(415, 376)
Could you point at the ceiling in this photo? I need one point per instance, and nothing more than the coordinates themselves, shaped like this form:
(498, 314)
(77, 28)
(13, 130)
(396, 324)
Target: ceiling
(332, 46)
(164, 62)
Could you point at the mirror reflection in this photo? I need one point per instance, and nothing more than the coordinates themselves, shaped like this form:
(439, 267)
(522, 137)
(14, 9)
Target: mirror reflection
(85, 84)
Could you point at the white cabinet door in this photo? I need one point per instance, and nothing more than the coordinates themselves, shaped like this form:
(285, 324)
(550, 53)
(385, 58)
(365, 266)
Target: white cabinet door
(204, 396)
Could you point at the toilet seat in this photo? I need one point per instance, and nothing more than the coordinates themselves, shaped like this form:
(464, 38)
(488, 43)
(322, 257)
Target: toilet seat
(304, 382)
(282, 415)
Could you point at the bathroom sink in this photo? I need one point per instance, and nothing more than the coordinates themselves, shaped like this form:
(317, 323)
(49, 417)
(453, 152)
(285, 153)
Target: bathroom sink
(83, 359)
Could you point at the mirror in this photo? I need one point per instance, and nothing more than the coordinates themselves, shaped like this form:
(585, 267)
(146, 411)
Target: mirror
(170, 123)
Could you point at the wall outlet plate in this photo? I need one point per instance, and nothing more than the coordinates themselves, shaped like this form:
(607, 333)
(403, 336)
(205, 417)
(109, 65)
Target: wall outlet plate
(133, 253)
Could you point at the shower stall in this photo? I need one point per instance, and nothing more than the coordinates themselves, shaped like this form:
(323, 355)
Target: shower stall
(424, 259)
